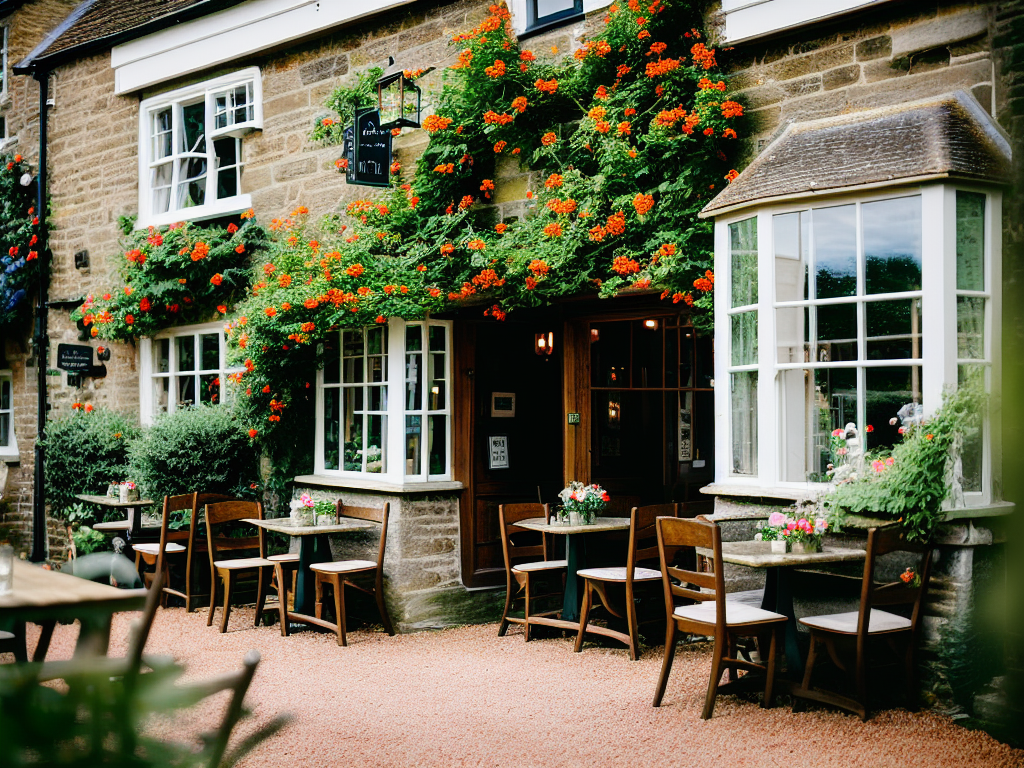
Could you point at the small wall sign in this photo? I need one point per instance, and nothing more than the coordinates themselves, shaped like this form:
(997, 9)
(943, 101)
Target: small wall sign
(372, 151)
(74, 357)
(573, 418)
(498, 454)
(503, 405)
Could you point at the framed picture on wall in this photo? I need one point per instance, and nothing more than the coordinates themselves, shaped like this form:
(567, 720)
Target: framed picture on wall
(503, 405)
(497, 455)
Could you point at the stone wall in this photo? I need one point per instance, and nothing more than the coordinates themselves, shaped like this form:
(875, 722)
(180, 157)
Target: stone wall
(889, 54)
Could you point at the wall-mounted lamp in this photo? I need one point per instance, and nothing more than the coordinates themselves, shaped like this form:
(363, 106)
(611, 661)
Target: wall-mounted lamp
(614, 410)
(651, 324)
(398, 100)
(595, 334)
(544, 343)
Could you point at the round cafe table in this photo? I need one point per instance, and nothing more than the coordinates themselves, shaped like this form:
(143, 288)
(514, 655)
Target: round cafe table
(575, 554)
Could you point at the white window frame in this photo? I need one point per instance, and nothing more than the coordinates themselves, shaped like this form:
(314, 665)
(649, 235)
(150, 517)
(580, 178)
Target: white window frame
(3, 55)
(394, 437)
(938, 361)
(175, 100)
(147, 374)
(9, 452)
(520, 10)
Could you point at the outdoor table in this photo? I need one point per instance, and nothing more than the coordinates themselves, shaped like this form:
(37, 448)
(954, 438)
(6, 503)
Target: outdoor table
(314, 547)
(46, 597)
(575, 555)
(132, 526)
(778, 585)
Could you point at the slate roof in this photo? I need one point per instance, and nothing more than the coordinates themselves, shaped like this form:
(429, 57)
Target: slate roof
(101, 24)
(948, 136)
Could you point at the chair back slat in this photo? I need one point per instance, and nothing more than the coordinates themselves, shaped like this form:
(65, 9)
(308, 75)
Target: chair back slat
(643, 535)
(883, 541)
(171, 504)
(219, 513)
(676, 535)
(370, 514)
(513, 546)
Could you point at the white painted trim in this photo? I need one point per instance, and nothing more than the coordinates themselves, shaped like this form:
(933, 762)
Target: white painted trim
(10, 452)
(242, 31)
(519, 12)
(751, 19)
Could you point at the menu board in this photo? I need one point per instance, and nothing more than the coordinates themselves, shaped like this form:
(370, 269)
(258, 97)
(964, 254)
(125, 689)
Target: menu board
(372, 151)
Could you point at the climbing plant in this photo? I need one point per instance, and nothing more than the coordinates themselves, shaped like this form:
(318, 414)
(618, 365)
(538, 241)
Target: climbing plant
(628, 139)
(19, 243)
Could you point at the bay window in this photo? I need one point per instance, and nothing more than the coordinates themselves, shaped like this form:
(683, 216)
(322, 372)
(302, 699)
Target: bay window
(852, 311)
(383, 403)
(190, 149)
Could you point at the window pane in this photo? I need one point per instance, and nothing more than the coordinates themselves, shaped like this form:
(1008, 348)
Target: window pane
(210, 346)
(192, 182)
(813, 403)
(648, 355)
(186, 390)
(376, 398)
(413, 338)
(161, 133)
(438, 438)
(837, 332)
(5, 429)
(790, 233)
(970, 328)
(672, 356)
(705, 366)
(973, 448)
(193, 134)
(209, 388)
(376, 444)
(376, 343)
(744, 423)
(437, 383)
(160, 181)
(970, 241)
(609, 354)
(332, 427)
(227, 183)
(893, 329)
(743, 252)
(792, 326)
(892, 245)
(5, 395)
(353, 433)
(332, 363)
(744, 338)
(186, 353)
(890, 393)
(548, 7)
(412, 445)
(437, 338)
(162, 355)
(835, 251)
(161, 394)
(413, 385)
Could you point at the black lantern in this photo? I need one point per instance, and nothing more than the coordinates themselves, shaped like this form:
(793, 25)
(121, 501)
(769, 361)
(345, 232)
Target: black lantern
(398, 100)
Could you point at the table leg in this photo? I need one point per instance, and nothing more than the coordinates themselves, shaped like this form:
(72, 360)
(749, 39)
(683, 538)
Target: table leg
(576, 555)
(778, 597)
(44, 640)
(312, 550)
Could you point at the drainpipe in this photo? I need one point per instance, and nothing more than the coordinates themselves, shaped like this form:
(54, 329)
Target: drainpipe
(41, 340)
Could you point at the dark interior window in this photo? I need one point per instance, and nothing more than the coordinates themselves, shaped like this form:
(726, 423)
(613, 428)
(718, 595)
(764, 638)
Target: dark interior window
(542, 14)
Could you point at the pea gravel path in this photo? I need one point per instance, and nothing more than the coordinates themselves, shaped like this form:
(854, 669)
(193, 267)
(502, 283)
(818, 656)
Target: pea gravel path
(465, 697)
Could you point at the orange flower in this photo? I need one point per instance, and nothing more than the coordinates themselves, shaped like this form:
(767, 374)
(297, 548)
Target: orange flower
(624, 265)
(668, 249)
(499, 228)
(661, 67)
(435, 123)
(657, 49)
(240, 248)
(311, 303)
(642, 34)
(731, 175)
(500, 146)
(623, 129)
(616, 224)
(447, 249)
(144, 305)
(703, 56)
(129, 319)
(465, 58)
(601, 92)
(530, 283)
(493, 118)
(434, 292)
(217, 279)
(307, 327)
(253, 433)
(703, 284)
(380, 319)
(728, 133)
(597, 233)
(270, 312)
(643, 203)
(527, 56)
(476, 244)
(466, 202)
(222, 309)
(553, 230)
(732, 109)
(497, 70)
(546, 86)
(602, 126)
(354, 270)
(553, 181)
(538, 267)
(284, 281)
(630, 111)
(519, 104)
(548, 139)
(564, 207)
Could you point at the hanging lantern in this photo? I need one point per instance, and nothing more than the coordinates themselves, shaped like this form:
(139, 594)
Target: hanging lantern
(398, 100)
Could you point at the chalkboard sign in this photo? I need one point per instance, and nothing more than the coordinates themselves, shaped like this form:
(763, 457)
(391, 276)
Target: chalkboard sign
(74, 357)
(349, 152)
(372, 151)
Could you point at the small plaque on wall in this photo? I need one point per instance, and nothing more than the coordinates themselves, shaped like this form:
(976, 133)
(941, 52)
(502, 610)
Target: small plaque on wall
(503, 404)
(498, 454)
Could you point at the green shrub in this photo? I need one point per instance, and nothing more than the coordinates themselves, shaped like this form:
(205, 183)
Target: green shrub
(202, 448)
(85, 451)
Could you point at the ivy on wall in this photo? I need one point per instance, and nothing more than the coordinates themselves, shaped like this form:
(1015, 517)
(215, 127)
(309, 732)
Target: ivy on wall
(19, 244)
(630, 138)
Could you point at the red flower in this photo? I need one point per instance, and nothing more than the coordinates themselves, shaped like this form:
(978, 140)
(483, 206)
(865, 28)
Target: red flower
(869, 428)
(217, 279)
(253, 433)
(232, 228)
(129, 319)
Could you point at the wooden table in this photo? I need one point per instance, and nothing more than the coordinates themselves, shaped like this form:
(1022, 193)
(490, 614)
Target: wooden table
(46, 597)
(778, 585)
(314, 547)
(576, 555)
(132, 526)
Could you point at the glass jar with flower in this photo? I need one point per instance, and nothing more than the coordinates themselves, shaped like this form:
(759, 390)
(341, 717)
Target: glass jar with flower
(303, 510)
(324, 512)
(771, 531)
(581, 503)
(127, 491)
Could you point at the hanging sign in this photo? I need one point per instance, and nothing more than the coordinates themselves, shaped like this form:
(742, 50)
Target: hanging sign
(74, 357)
(372, 151)
(498, 454)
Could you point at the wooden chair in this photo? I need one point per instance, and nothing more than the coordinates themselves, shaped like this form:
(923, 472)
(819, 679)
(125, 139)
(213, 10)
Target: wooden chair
(357, 574)
(217, 515)
(643, 550)
(866, 626)
(526, 561)
(191, 543)
(707, 612)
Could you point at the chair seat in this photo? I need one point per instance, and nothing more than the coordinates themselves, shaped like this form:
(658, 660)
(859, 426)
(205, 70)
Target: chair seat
(846, 623)
(736, 613)
(154, 548)
(344, 566)
(619, 574)
(242, 562)
(541, 565)
(288, 557)
(6, 635)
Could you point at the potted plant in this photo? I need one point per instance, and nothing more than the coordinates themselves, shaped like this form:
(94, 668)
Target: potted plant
(324, 512)
(303, 510)
(127, 491)
(582, 503)
(771, 532)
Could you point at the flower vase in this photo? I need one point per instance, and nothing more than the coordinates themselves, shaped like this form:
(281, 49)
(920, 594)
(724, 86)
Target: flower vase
(804, 547)
(122, 493)
(778, 547)
(322, 520)
(574, 517)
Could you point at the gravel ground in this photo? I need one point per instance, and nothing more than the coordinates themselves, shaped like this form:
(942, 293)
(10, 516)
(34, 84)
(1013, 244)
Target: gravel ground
(465, 697)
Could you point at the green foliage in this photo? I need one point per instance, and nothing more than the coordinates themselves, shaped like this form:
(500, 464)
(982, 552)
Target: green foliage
(87, 540)
(202, 448)
(85, 452)
(187, 273)
(631, 136)
(346, 101)
(911, 483)
(19, 244)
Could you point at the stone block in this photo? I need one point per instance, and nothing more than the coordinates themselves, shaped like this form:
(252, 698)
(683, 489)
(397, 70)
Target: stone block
(803, 86)
(294, 170)
(874, 48)
(941, 31)
(285, 104)
(762, 96)
(322, 69)
(421, 35)
(840, 77)
(819, 61)
(511, 189)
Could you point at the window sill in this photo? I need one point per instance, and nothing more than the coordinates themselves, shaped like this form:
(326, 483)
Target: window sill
(754, 491)
(10, 456)
(228, 207)
(368, 484)
(540, 29)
